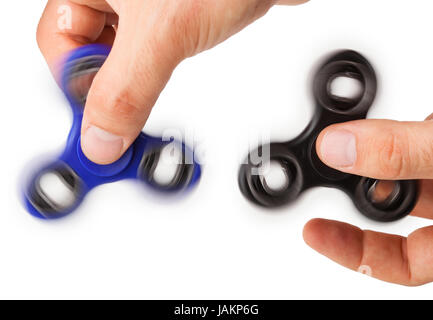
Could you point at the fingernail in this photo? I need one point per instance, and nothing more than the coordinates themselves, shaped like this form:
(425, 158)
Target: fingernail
(338, 148)
(100, 146)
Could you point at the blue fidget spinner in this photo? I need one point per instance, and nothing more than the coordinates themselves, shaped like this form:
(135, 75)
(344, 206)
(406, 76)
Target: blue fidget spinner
(74, 175)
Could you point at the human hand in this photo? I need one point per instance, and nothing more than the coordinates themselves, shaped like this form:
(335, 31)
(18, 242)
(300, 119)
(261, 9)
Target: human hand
(149, 38)
(386, 150)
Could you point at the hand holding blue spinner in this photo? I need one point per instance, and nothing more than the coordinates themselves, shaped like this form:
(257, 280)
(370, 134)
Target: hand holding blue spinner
(77, 174)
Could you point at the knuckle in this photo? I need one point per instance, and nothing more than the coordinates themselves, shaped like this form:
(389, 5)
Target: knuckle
(121, 109)
(188, 28)
(393, 161)
(262, 7)
(426, 154)
(197, 25)
(176, 28)
(124, 107)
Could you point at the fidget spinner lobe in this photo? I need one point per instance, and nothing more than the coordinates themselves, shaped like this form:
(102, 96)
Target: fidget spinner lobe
(378, 200)
(59, 188)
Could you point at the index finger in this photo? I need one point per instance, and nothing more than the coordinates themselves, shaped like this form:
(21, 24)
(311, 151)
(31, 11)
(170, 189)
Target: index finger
(387, 257)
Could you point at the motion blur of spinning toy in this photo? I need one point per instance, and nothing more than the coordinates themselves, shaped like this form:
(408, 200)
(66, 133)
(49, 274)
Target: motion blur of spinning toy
(298, 161)
(59, 188)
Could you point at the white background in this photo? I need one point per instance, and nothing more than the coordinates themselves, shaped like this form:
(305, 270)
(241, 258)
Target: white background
(122, 243)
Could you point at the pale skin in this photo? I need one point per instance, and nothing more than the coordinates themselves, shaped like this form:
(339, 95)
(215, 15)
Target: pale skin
(151, 37)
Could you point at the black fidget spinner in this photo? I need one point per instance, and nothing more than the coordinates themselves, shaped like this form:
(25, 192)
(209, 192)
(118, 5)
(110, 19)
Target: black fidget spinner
(377, 199)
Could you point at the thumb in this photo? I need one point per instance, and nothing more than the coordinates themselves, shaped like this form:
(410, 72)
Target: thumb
(124, 92)
(380, 149)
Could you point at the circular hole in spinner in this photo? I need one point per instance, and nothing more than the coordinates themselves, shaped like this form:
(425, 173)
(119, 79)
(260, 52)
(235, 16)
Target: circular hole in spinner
(275, 177)
(167, 168)
(271, 182)
(170, 159)
(384, 200)
(345, 87)
(80, 75)
(384, 194)
(55, 191)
